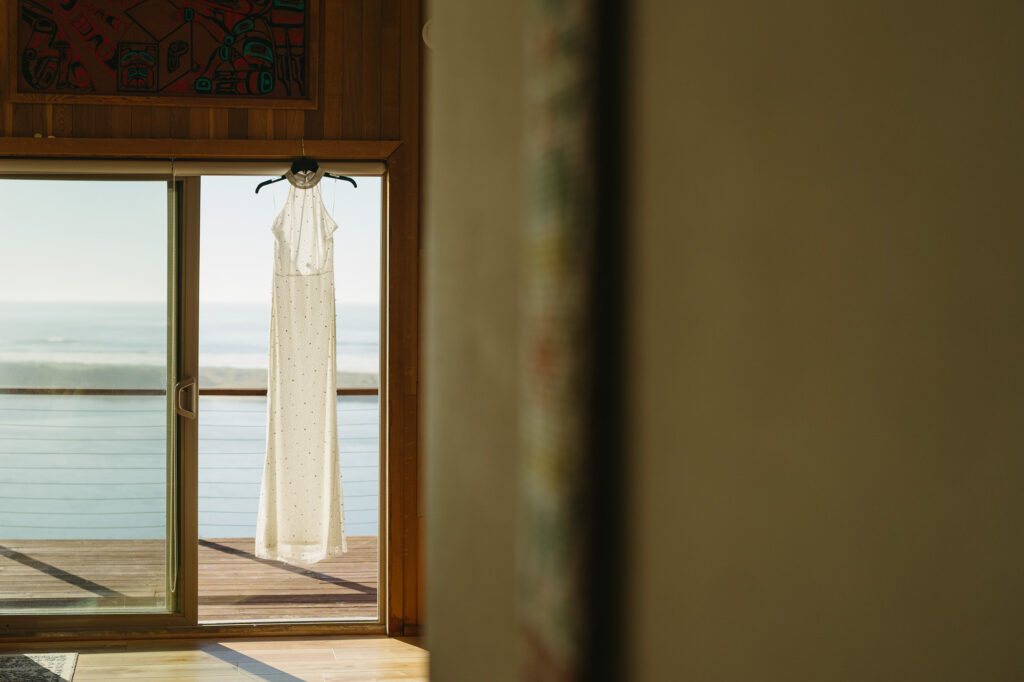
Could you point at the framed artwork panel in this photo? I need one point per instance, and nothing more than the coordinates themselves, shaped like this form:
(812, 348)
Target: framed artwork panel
(172, 52)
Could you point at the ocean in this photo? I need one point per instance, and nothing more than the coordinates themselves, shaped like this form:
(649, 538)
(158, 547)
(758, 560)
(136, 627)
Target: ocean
(93, 467)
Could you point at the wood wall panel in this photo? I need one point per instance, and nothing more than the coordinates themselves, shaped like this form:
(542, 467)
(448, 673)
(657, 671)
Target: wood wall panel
(62, 121)
(179, 123)
(359, 92)
(390, 70)
(368, 118)
(121, 121)
(141, 119)
(335, 50)
(28, 120)
(5, 111)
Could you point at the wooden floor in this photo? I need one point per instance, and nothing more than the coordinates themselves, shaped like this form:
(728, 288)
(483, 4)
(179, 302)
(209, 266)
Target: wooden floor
(234, 585)
(338, 659)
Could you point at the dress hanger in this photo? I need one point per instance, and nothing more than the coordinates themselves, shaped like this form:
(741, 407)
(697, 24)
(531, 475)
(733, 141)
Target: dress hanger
(304, 165)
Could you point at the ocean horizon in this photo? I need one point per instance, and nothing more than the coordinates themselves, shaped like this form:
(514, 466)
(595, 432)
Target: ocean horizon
(93, 467)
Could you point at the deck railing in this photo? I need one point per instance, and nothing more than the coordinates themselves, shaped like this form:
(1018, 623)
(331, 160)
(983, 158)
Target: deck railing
(160, 391)
(98, 469)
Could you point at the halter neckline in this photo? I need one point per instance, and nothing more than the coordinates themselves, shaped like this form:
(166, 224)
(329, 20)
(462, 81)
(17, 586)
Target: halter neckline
(305, 179)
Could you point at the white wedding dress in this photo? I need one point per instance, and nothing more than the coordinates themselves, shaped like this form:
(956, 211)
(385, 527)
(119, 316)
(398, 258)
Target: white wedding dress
(301, 520)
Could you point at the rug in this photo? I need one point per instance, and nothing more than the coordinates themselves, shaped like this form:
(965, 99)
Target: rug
(37, 667)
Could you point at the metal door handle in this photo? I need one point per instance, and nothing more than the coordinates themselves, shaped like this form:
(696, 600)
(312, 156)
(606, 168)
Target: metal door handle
(185, 385)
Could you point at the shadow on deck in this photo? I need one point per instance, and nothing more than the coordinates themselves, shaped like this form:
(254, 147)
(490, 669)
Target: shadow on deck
(234, 585)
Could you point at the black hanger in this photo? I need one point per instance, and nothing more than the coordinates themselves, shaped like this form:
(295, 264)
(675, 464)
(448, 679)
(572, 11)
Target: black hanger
(305, 165)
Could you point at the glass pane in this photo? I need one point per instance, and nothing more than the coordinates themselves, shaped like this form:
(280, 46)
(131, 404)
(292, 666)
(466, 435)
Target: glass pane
(236, 268)
(83, 406)
(235, 585)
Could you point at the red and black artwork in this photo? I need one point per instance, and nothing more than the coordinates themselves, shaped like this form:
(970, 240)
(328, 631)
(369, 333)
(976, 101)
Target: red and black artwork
(173, 48)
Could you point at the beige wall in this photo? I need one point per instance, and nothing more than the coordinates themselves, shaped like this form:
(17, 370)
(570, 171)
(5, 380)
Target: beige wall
(828, 329)
(473, 188)
(827, 300)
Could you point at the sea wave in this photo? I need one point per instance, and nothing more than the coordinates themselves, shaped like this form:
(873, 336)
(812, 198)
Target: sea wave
(49, 356)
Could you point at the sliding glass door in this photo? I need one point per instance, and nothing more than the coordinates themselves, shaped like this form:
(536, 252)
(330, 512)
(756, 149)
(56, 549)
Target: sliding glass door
(234, 584)
(123, 506)
(89, 412)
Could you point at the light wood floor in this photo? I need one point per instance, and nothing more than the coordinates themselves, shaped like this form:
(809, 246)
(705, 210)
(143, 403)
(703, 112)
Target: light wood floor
(233, 583)
(340, 659)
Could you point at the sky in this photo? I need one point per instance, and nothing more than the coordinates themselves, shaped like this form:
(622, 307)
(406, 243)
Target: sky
(104, 241)
(236, 259)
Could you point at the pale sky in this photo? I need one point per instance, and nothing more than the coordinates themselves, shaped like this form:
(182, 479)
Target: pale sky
(237, 249)
(75, 240)
(91, 240)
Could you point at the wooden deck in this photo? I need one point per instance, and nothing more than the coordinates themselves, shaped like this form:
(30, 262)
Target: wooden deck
(234, 585)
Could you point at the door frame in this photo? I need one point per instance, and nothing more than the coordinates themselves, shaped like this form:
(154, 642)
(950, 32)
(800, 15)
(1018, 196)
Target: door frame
(400, 584)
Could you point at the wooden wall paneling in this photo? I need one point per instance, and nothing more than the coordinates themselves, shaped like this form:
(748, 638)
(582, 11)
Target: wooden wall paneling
(390, 71)
(335, 52)
(199, 123)
(288, 125)
(279, 126)
(80, 122)
(121, 121)
(28, 119)
(159, 122)
(350, 69)
(296, 125)
(5, 112)
(180, 120)
(142, 121)
(313, 125)
(238, 124)
(370, 80)
(110, 148)
(100, 117)
(358, 91)
(260, 124)
(62, 120)
(218, 123)
(313, 121)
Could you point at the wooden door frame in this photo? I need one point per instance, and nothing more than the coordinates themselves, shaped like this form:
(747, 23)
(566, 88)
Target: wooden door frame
(400, 542)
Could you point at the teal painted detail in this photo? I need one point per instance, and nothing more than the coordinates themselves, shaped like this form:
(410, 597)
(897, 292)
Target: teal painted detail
(266, 82)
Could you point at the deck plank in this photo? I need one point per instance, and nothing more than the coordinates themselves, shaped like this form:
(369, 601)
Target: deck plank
(234, 585)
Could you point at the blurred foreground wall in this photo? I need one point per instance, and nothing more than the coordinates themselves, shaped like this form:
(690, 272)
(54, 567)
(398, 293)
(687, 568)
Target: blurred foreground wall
(828, 325)
(826, 300)
(473, 181)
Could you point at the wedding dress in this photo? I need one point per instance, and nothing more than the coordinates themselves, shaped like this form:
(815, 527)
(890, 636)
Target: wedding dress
(301, 519)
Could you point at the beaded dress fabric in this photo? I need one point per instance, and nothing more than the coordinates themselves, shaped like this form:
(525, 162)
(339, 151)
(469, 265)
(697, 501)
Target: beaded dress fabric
(301, 518)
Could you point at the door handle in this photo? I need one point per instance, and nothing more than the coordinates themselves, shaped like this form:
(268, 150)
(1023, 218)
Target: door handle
(179, 392)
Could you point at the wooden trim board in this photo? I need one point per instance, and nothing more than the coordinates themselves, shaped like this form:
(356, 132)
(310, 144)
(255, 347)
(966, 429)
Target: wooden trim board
(171, 148)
